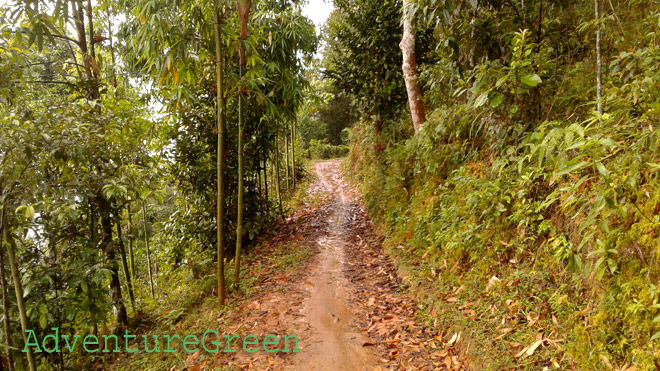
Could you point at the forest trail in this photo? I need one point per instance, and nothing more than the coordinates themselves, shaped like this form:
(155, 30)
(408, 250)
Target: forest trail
(335, 344)
(360, 317)
(345, 303)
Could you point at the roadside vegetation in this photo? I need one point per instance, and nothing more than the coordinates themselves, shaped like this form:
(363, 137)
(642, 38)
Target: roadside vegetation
(524, 212)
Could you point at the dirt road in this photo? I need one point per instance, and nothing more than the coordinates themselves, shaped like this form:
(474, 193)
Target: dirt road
(336, 345)
(347, 305)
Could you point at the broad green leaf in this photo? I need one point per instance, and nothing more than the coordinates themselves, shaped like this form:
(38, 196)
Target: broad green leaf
(531, 79)
(502, 80)
(496, 99)
(572, 168)
(480, 100)
(602, 170)
(607, 142)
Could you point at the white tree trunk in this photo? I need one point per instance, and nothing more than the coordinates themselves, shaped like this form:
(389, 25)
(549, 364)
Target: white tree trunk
(407, 45)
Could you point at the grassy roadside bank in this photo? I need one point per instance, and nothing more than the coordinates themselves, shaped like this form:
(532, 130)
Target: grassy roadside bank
(272, 267)
(534, 264)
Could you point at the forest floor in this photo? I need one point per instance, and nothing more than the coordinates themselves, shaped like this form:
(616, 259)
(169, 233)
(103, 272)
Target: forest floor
(323, 276)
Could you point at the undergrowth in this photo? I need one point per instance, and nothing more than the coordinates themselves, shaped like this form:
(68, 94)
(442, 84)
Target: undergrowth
(188, 304)
(513, 231)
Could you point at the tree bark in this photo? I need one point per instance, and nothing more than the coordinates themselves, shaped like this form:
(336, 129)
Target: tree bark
(286, 156)
(243, 10)
(239, 221)
(277, 172)
(599, 65)
(146, 245)
(293, 154)
(127, 273)
(110, 253)
(5, 298)
(407, 45)
(82, 41)
(131, 253)
(18, 289)
(220, 200)
(266, 191)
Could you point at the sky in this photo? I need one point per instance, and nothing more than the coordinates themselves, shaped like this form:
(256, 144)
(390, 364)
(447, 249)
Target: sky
(318, 11)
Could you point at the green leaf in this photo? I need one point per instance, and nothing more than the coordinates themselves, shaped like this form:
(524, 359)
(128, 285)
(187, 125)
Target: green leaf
(502, 80)
(572, 168)
(530, 79)
(480, 100)
(27, 210)
(602, 170)
(655, 336)
(608, 142)
(496, 99)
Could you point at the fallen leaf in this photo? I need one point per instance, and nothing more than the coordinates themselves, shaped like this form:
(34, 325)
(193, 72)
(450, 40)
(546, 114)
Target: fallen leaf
(504, 332)
(453, 339)
(528, 351)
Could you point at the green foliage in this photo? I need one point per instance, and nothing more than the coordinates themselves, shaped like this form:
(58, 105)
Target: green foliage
(361, 57)
(109, 129)
(517, 192)
(322, 150)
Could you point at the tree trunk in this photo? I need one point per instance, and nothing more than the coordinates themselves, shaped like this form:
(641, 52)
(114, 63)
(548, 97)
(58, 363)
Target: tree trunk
(239, 221)
(265, 168)
(110, 253)
(243, 10)
(293, 154)
(79, 17)
(5, 298)
(146, 245)
(113, 77)
(131, 254)
(277, 172)
(124, 264)
(220, 200)
(599, 66)
(18, 289)
(286, 156)
(90, 25)
(407, 45)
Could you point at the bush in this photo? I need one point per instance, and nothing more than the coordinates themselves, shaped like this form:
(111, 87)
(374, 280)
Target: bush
(320, 149)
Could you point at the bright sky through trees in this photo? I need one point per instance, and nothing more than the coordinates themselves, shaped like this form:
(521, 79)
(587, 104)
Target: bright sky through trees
(318, 11)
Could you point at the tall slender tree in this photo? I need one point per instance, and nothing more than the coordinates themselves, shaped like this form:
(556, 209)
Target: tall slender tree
(220, 162)
(10, 245)
(5, 299)
(599, 65)
(243, 10)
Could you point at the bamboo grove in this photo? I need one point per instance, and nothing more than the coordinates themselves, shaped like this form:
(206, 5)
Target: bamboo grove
(138, 138)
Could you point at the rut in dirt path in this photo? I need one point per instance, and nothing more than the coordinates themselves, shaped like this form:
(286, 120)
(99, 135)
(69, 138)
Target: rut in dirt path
(336, 345)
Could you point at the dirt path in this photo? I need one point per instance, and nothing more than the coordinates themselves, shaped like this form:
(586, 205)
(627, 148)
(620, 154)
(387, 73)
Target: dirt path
(336, 345)
(346, 305)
